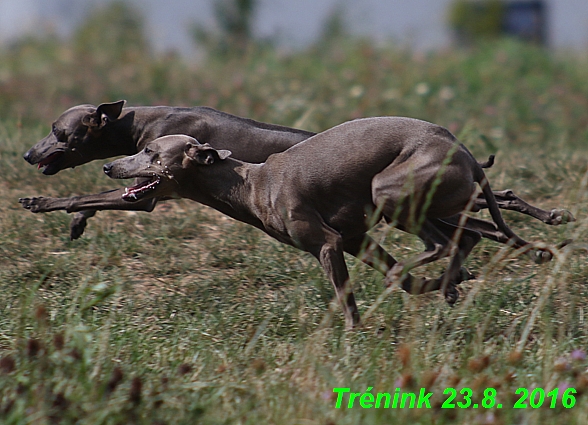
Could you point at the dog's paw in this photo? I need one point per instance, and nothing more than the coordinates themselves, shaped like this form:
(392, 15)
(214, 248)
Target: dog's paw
(34, 204)
(558, 216)
(77, 227)
(451, 295)
(542, 256)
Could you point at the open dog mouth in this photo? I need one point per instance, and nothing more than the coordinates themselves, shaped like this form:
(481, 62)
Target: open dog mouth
(49, 164)
(137, 192)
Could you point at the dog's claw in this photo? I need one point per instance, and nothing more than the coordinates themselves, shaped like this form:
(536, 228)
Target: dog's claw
(31, 204)
(24, 203)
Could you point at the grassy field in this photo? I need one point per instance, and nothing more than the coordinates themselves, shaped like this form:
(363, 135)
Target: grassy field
(183, 316)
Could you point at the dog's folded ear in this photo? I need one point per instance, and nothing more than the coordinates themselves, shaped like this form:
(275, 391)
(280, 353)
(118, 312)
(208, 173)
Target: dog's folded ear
(205, 154)
(104, 113)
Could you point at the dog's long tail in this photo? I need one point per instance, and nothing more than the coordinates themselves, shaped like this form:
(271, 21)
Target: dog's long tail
(540, 254)
(482, 180)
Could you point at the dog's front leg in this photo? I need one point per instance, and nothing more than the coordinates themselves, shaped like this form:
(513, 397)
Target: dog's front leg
(109, 200)
(326, 244)
(86, 206)
(78, 223)
(331, 258)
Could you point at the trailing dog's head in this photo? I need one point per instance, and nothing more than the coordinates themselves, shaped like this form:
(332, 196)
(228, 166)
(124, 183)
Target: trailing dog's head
(75, 138)
(162, 165)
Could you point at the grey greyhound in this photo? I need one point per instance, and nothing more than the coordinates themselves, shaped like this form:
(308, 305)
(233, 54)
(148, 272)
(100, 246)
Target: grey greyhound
(85, 133)
(412, 173)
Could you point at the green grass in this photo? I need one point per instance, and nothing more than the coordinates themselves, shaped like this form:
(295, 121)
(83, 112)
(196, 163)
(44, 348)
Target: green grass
(185, 316)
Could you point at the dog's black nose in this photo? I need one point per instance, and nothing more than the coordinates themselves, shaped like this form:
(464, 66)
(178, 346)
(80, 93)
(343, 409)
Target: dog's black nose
(107, 168)
(27, 156)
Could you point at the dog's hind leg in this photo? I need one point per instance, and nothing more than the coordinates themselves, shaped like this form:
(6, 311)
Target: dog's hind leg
(487, 229)
(507, 200)
(371, 253)
(439, 239)
(453, 275)
(438, 246)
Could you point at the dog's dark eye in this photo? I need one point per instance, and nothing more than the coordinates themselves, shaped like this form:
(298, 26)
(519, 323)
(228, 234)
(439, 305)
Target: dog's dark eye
(147, 150)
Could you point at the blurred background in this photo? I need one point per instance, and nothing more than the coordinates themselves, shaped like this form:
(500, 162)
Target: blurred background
(260, 58)
(419, 23)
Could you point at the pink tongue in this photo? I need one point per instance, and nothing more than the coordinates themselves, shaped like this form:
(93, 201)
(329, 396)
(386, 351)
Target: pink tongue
(132, 193)
(49, 159)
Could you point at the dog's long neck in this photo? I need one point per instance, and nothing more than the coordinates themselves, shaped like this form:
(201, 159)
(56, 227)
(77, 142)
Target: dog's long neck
(228, 187)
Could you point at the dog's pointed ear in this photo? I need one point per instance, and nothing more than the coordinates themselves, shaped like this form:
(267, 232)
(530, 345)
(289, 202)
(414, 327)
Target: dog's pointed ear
(110, 111)
(105, 113)
(223, 153)
(205, 154)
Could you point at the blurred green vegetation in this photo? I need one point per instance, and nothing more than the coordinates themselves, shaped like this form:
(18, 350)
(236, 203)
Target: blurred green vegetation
(183, 316)
(475, 20)
(233, 33)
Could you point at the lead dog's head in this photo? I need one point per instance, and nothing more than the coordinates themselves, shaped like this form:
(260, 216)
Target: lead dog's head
(162, 165)
(75, 138)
